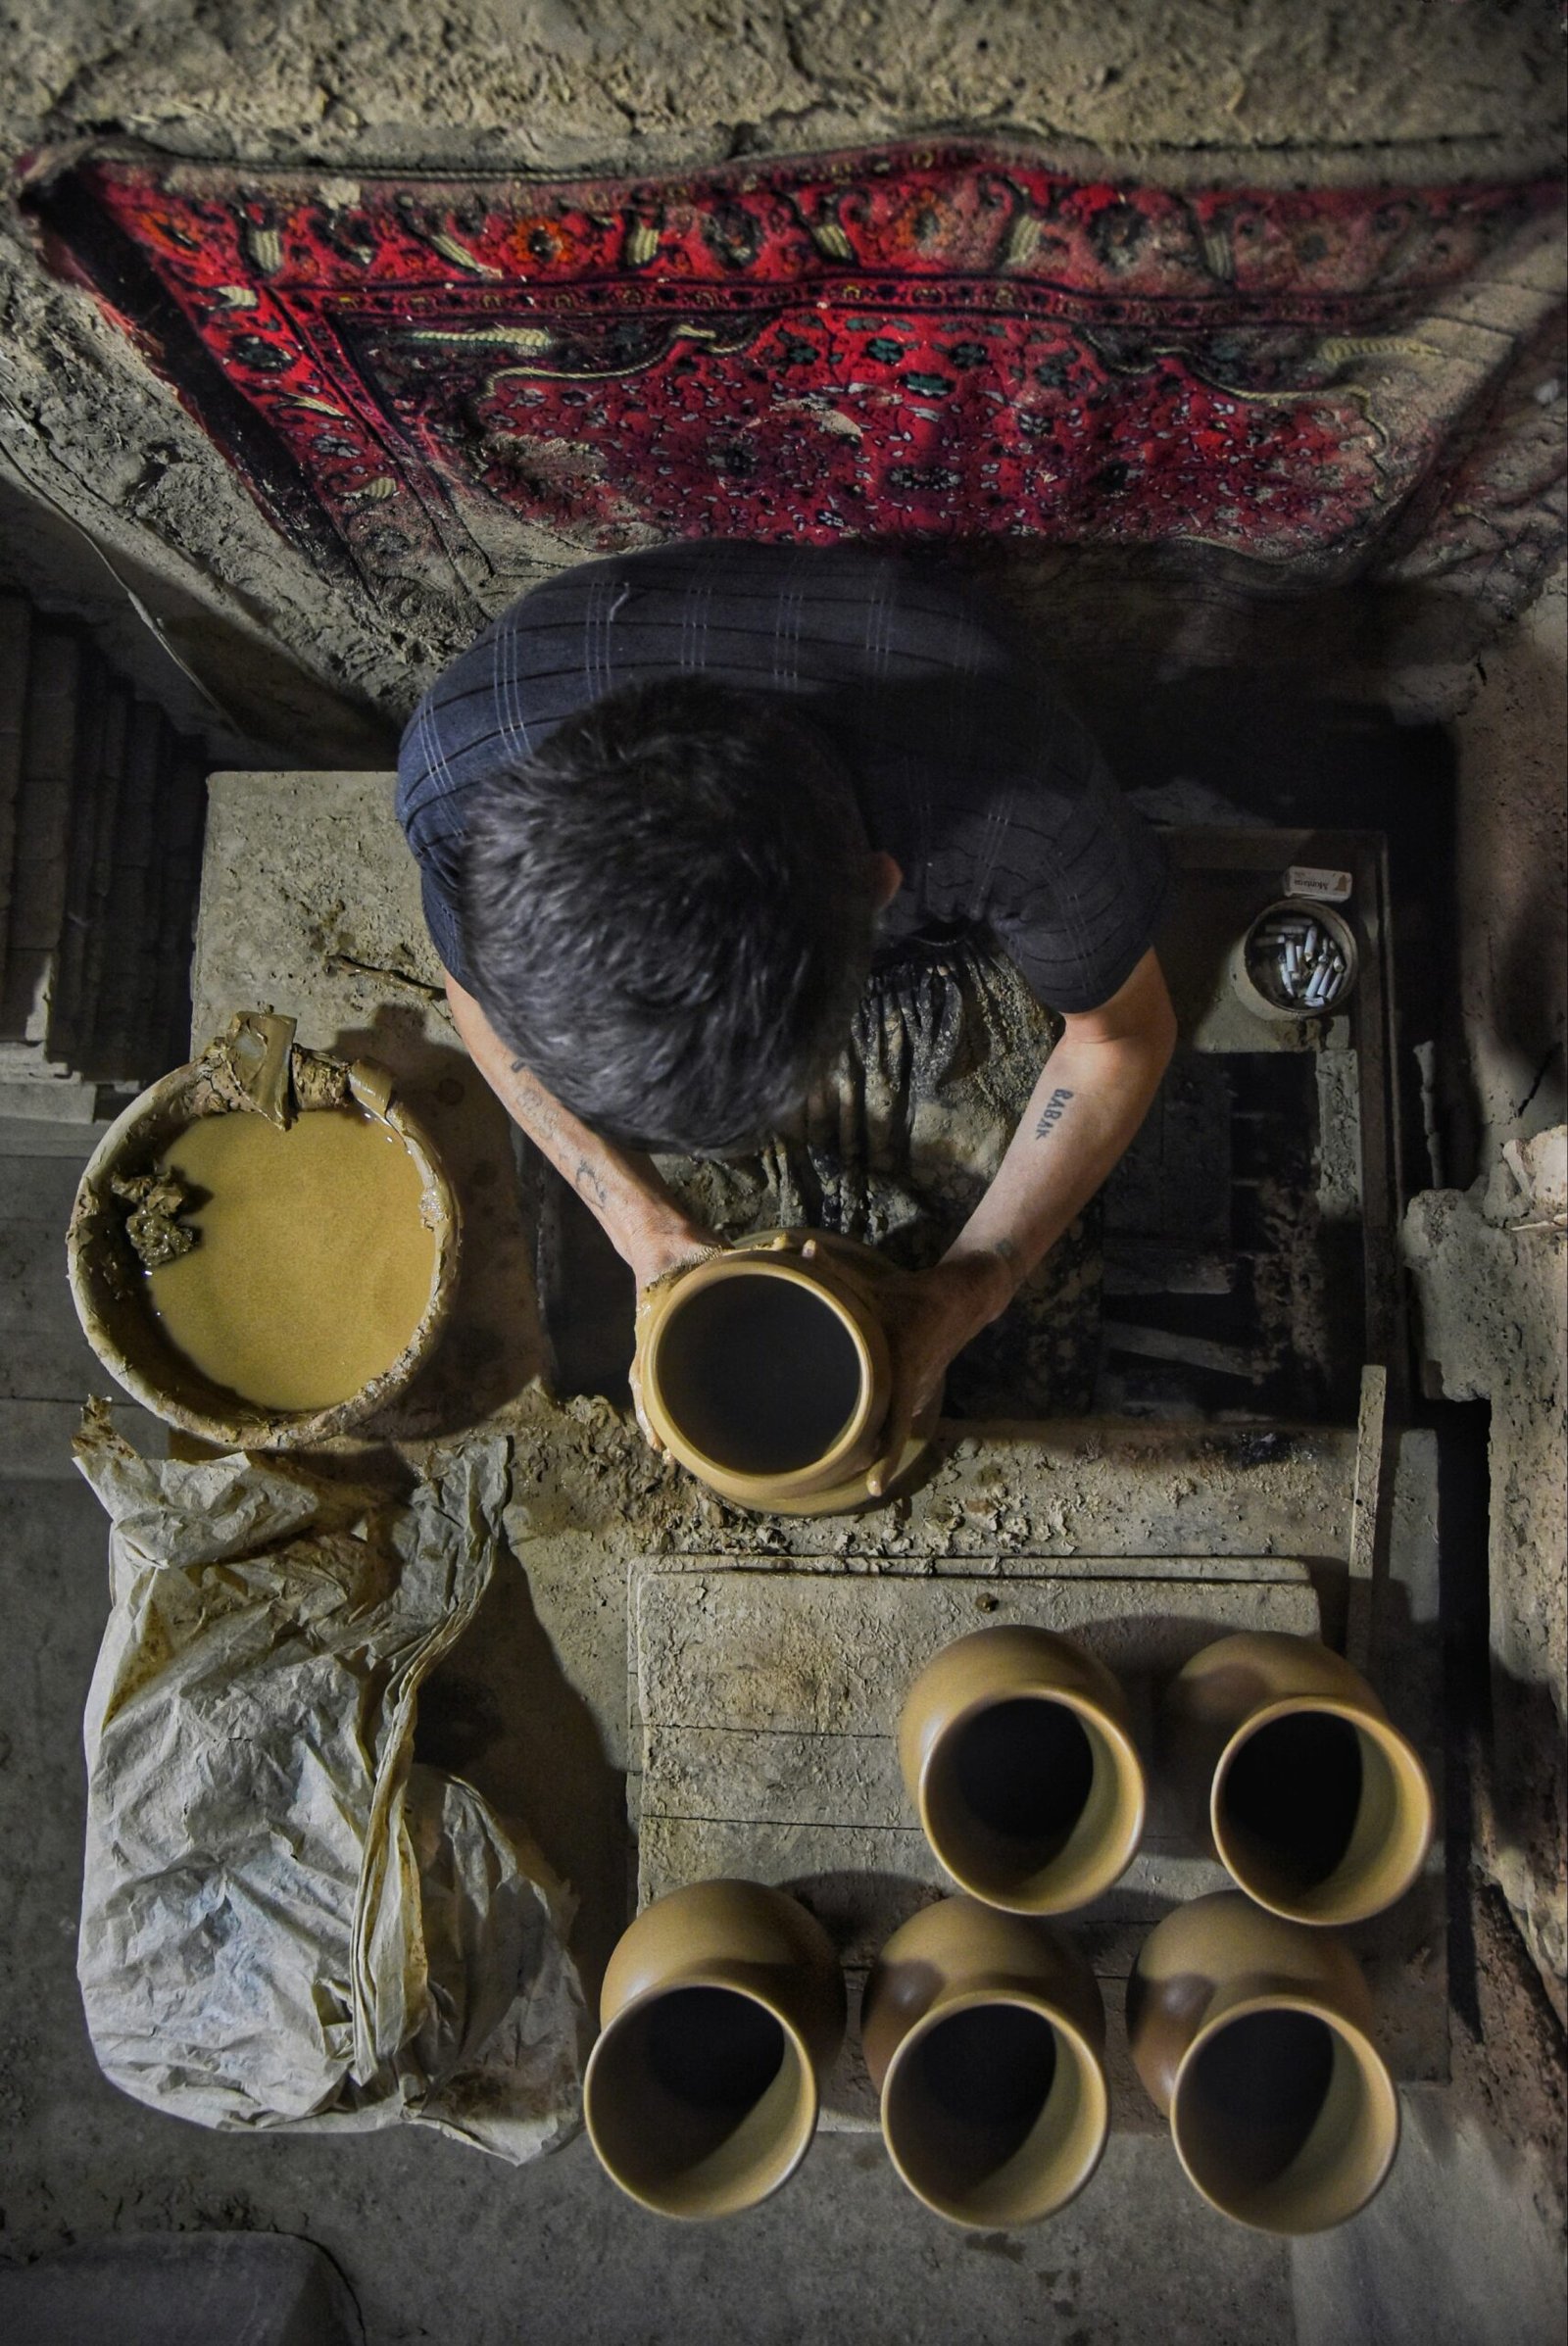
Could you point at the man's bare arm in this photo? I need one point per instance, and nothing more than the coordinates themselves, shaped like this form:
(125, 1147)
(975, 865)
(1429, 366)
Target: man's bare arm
(1093, 1094)
(618, 1185)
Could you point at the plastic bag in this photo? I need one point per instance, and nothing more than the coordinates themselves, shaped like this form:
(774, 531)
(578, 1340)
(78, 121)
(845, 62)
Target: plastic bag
(286, 1922)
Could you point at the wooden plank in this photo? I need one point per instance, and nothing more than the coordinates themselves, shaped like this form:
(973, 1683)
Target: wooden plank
(823, 1653)
(1366, 1498)
(1371, 1008)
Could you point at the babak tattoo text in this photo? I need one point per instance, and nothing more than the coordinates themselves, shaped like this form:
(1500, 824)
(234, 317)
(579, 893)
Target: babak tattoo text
(1050, 1113)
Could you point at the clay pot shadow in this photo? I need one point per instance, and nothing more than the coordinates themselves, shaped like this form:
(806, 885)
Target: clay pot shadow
(858, 1911)
(499, 1713)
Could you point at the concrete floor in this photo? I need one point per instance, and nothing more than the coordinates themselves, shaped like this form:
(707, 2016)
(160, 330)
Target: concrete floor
(439, 2242)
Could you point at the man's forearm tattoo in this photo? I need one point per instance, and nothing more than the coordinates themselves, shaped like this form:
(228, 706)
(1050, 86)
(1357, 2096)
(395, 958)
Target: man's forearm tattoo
(1051, 1112)
(588, 1183)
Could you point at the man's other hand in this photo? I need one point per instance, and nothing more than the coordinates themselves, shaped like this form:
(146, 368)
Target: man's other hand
(929, 1317)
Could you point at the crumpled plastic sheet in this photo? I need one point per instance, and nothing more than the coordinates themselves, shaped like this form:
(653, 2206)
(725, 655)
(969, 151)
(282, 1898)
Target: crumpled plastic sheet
(286, 1921)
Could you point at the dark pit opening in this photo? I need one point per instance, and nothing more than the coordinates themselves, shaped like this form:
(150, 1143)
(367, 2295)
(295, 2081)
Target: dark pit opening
(714, 2049)
(760, 1375)
(1025, 1769)
(1292, 1795)
(1255, 2092)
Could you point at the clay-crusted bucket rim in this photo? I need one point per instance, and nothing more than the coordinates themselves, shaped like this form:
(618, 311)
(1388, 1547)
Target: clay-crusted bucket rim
(1369, 2061)
(254, 1427)
(1401, 1756)
(1089, 2062)
(1094, 1719)
(735, 1265)
(705, 1976)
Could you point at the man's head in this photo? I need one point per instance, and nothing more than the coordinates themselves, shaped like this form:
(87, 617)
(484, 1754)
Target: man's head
(668, 913)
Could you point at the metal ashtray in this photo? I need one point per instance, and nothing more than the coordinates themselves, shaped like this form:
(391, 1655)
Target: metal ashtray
(1297, 961)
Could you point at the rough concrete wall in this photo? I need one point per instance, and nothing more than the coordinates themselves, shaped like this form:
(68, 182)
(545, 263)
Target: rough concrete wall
(1198, 89)
(1491, 1264)
(560, 82)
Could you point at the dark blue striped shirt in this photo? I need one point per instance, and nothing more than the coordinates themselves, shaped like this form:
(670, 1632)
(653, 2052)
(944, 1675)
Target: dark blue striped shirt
(970, 770)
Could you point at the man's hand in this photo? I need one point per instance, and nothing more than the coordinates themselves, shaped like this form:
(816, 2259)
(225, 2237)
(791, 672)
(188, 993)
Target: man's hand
(929, 1317)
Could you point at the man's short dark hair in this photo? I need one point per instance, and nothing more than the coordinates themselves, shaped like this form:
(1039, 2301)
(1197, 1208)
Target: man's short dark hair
(668, 913)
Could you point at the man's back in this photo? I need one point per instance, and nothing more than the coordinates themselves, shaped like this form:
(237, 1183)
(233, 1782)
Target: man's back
(969, 769)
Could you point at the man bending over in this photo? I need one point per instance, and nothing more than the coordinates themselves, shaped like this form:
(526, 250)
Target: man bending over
(679, 812)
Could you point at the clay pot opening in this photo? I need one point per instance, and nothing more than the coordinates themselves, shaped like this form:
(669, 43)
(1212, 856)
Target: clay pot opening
(993, 2110)
(1321, 1814)
(763, 1373)
(1284, 2115)
(1032, 1804)
(700, 2100)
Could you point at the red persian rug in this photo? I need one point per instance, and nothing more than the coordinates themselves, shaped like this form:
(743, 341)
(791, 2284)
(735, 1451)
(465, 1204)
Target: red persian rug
(935, 341)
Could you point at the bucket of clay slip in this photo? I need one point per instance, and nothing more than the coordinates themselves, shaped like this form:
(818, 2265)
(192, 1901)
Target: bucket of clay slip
(1314, 1802)
(1017, 1750)
(337, 1319)
(984, 2036)
(723, 2008)
(766, 1372)
(1253, 2036)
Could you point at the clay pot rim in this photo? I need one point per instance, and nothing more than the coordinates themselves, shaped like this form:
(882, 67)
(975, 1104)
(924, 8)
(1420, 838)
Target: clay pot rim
(1093, 1717)
(734, 1482)
(706, 1974)
(1369, 2061)
(1401, 1756)
(251, 1426)
(1092, 2076)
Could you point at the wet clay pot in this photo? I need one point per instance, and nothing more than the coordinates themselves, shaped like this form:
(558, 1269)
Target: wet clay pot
(765, 1371)
(1252, 2034)
(1314, 1802)
(984, 2034)
(722, 2008)
(1017, 1754)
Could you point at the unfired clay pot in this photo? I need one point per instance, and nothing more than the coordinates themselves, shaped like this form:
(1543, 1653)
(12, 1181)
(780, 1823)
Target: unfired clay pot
(722, 2008)
(765, 1371)
(984, 2034)
(1252, 2034)
(1017, 1754)
(1314, 1801)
